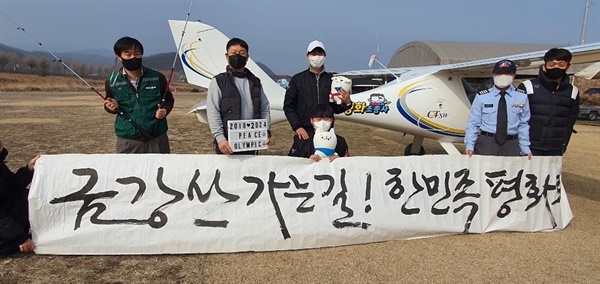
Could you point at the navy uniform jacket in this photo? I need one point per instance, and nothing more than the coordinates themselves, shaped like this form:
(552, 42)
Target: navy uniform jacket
(484, 112)
(554, 110)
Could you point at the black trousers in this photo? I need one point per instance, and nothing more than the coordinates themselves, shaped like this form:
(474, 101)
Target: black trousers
(538, 152)
(159, 144)
(487, 145)
(17, 207)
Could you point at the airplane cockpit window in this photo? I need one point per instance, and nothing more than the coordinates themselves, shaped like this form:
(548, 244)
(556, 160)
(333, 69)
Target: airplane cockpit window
(366, 83)
(474, 85)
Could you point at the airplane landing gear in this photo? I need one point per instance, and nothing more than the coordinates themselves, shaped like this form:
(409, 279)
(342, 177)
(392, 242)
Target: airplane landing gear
(407, 151)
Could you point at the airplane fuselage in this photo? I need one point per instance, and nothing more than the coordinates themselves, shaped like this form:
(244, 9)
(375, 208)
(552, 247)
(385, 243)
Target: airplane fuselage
(427, 105)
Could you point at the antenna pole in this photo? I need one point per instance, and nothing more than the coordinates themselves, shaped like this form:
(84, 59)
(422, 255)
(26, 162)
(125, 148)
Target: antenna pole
(587, 7)
(374, 59)
(177, 52)
(55, 57)
(162, 99)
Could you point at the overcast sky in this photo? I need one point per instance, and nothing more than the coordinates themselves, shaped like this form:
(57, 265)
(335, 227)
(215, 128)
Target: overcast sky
(278, 31)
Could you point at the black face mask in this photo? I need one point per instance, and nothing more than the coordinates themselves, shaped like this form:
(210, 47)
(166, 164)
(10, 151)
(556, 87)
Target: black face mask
(555, 73)
(237, 61)
(132, 64)
(3, 154)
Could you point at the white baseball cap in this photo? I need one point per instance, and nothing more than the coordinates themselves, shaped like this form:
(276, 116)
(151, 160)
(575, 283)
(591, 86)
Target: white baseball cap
(314, 44)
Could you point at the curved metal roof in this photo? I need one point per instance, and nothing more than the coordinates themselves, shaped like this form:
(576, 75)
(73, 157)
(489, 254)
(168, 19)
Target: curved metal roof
(424, 53)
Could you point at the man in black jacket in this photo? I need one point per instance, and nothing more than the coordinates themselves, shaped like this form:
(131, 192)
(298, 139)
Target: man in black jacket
(554, 105)
(14, 215)
(308, 89)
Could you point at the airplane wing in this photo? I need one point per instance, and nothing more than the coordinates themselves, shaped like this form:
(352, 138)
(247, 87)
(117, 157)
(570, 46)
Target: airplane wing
(588, 54)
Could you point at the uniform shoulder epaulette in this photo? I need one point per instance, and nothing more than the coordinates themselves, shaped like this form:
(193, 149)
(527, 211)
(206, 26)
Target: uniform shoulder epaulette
(483, 92)
(521, 91)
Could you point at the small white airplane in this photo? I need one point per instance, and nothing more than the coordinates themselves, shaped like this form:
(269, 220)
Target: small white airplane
(427, 102)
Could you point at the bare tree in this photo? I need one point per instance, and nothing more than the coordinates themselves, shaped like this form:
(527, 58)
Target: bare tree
(31, 61)
(99, 69)
(66, 62)
(43, 65)
(4, 59)
(87, 69)
(56, 67)
(79, 68)
(13, 61)
(108, 70)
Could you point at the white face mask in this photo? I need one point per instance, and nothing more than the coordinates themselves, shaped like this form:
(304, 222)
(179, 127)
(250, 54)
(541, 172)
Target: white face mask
(316, 61)
(503, 80)
(324, 125)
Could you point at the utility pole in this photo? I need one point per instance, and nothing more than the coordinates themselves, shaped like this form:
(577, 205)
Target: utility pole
(587, 6)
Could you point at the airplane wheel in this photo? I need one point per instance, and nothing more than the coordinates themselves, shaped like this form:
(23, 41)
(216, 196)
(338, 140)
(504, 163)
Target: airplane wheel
(407, 151)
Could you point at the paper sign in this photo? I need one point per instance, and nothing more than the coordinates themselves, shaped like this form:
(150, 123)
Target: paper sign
(247, 135)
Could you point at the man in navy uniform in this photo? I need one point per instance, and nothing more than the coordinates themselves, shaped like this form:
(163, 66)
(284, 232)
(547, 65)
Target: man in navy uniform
(499, 118)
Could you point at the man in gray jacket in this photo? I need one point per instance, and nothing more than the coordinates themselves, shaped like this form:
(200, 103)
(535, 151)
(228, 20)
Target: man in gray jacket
(235, 94)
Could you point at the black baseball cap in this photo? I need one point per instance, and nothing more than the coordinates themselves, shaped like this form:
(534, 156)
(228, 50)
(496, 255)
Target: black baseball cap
(507, 65)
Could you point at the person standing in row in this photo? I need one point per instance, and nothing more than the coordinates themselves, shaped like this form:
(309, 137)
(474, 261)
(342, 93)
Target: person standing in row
(135, 94)
(309, 88)
(554, 105)
(498, 120)
(235, 94)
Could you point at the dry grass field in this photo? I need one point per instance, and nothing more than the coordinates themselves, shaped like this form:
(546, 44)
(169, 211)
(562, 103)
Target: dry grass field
(51, 122)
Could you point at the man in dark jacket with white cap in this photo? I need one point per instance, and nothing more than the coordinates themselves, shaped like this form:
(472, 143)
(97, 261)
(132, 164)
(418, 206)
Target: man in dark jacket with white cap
(309, 88)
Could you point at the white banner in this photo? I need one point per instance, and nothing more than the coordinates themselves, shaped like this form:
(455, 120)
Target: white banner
(153, 203)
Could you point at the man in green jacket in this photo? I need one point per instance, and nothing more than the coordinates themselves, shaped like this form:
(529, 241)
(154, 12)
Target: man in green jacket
(138, 96)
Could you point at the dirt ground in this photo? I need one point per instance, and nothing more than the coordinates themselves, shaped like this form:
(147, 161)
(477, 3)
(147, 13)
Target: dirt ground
(56, 123)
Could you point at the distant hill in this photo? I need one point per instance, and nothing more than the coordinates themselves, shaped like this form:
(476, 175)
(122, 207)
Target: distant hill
(89, 56)
(161, 61)
(82, 56)
(19, 52)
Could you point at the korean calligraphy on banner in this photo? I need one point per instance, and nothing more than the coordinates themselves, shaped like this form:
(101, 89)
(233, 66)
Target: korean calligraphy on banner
(153, 204)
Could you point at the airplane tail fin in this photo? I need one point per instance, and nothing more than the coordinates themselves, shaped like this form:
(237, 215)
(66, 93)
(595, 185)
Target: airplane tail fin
(202, 56)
